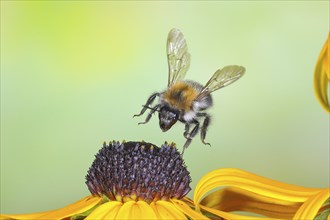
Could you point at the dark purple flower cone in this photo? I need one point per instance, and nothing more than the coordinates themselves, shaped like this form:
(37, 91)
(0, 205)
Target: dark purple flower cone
(138, 171)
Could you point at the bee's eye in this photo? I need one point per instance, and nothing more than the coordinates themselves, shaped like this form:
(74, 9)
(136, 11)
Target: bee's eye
(172, 116)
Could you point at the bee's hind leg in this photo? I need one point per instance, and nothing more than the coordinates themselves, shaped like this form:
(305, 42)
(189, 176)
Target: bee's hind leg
(204, 126)
(153, 109)
(149, 102)
(186, 130)
(191, 135)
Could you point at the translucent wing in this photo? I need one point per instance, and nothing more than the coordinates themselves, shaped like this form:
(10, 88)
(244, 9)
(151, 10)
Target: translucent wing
(221, 78)
(177, 56)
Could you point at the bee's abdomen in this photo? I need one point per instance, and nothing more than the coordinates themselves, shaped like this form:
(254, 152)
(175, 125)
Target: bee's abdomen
(181, 95)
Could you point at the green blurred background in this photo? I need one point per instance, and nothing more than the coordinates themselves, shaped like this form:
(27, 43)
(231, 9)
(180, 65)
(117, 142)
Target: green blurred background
(74, 73)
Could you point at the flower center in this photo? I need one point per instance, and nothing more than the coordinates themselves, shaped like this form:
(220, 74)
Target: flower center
(138, 171)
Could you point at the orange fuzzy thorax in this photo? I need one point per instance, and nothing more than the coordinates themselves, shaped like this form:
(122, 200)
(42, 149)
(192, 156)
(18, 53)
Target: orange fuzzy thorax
(180, 96)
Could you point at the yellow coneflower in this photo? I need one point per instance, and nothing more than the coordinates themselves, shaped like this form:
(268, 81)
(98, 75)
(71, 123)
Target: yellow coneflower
(138, 180)
(131, 180)
(322, 76)
(248, 192)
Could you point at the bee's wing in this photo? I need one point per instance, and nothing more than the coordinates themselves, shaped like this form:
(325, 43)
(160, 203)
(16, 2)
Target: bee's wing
(177, 56)
(221, 78)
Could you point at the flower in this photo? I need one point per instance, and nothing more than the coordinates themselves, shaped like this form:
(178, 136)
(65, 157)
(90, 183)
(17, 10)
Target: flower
(131, 180)
(138, 171)
(252, 193)
(322, 76)
(138, 180)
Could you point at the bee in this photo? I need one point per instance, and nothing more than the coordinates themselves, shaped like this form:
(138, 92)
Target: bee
(185, 100)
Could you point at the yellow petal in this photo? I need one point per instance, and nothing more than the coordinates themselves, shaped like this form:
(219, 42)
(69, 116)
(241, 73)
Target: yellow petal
(155, 208)
(183, 207)
(22, 216)
(106, 209)
(234, 199)
(166, 210)
(70, 210)
(136, 210)
(113, 213)
(147, 211)
(73, 209)
(311, 207)
(227, 215)
(322, 76)
(125, 211)
(253, 183)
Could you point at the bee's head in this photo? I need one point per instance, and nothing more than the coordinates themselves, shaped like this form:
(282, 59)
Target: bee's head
(167, 117)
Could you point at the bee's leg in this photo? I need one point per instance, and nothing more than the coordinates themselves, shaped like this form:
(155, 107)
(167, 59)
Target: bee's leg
(149, 102)
(191, 135)
(186, 130)
(206, 123)
(153, 109)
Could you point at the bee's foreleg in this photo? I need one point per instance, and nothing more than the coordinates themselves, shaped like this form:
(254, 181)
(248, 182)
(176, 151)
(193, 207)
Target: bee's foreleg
(149, 102)
(191, 135)
(153, 109)
(206, 123)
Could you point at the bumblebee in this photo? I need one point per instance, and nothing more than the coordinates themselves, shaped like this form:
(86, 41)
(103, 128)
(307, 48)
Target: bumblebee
(185, 100)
